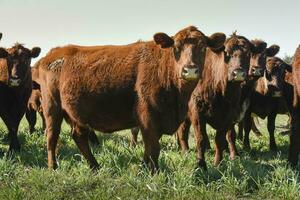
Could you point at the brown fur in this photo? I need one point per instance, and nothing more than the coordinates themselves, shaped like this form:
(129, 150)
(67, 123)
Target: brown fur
(110, 88)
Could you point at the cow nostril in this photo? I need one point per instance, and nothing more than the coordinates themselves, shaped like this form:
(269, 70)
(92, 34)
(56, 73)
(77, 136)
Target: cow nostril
(197, 71)
(185, 70)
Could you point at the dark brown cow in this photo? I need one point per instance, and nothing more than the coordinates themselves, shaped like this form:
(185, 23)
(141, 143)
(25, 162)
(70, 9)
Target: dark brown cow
(294, 148)
(256, 69)
(110, 88)
(267, 100)
(15, 88)
(217, 97)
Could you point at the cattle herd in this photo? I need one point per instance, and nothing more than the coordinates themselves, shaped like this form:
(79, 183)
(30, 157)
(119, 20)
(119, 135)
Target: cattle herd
(159, 87)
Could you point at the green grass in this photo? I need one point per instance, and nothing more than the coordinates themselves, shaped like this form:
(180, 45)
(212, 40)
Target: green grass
(258, 174)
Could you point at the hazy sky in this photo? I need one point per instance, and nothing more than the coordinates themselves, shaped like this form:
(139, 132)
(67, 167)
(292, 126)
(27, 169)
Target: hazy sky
(58, 22)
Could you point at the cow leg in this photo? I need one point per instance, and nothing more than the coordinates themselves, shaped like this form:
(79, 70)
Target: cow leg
(134, 135)
(53, 119)
(240, 130)
(183, 135)
(220, 146)
(271, 128)
(43, 121)
(93, 138)
(247, 128)
(294, 148)
(254, 127)
(201, 141)
(81, 138)
(12, 125)
(31, 118)
(14, 142)
(152, 149)
(231, 138)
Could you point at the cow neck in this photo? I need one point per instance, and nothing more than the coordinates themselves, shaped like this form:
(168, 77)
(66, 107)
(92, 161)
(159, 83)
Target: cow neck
(214, 75)
(232, 92)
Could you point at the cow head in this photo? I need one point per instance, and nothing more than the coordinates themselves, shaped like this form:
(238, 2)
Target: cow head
(20, 58)
(237, 51)
(259, 55)
(274, 76)
(189, 49)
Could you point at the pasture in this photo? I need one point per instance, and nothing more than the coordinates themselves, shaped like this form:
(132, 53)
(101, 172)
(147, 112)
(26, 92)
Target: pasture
(258, 174)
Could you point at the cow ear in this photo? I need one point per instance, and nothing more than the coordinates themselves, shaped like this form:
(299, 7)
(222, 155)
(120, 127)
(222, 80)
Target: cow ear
(216, 40)
(163, 40)
(288, 68)
(3, 53)
(272, 50)
(0, 36)
(259, 47)
(35, 52)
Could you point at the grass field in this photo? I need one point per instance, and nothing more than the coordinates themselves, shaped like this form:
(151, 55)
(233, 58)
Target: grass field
(258, 174)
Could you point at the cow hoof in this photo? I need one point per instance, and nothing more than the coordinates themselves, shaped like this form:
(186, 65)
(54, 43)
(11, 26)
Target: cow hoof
(14, 149)
(273, 148)
(288, 132)
(247, 147)
(95, 168)
(258, 134)
(202, 165)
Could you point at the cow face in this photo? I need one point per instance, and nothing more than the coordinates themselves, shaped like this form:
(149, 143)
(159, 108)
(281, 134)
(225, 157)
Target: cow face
(259, 55)
(20, 63)
(274, 76)
(189, 49)
(237, 52)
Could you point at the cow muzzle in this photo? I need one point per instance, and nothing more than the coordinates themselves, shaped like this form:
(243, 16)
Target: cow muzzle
(14, 82)
(239, 75)
(256, 71)
(190, 73)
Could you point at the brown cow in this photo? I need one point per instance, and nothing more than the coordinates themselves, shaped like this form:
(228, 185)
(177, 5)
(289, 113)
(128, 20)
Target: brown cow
(15, 88)
(257, 66)
(110, 88)
(217, 97)
(294, 148)
(35, 105)
(267, 100)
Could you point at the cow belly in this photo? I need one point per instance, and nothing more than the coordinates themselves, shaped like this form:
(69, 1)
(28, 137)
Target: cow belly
(105, 112)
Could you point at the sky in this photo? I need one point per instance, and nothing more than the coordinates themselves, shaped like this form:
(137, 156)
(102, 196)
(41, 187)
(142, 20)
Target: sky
(53, 23)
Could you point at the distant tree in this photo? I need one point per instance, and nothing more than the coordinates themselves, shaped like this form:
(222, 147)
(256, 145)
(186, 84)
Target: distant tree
(288, 59)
